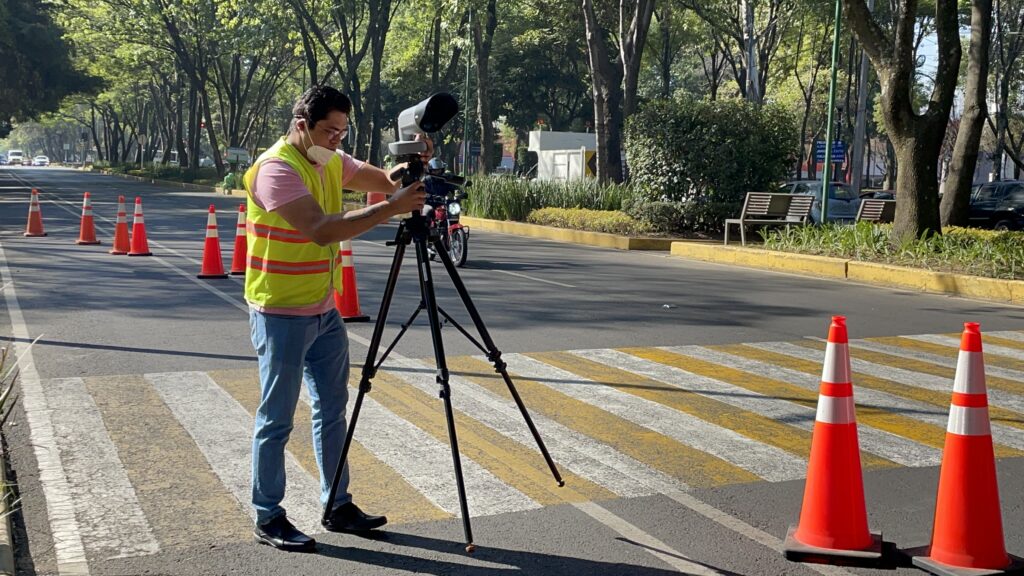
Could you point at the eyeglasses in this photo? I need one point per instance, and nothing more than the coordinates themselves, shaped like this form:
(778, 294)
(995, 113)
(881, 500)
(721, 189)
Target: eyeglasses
(333, 134)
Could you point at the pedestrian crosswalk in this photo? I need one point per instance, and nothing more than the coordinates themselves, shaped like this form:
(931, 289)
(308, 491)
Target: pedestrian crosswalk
(159, 461)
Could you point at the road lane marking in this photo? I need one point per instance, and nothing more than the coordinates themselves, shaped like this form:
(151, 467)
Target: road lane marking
(166, 467)
(67, 539)
(947, 361)
(222, 429)
(598, 462)
(535, 279)
(774, 383)
(582, 378)
(373, 484)
(949, 347)
(105, 501)
(925, 404)
(995, 354)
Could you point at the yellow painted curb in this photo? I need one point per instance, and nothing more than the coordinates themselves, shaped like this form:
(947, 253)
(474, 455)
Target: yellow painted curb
(938, 282)
(758, 258)
(1011, 291)
(565, 235)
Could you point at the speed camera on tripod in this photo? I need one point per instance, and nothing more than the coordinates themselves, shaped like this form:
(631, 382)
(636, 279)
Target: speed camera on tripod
(430, 115)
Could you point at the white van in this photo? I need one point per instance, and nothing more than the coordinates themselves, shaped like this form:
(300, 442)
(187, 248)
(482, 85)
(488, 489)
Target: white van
(16, 157)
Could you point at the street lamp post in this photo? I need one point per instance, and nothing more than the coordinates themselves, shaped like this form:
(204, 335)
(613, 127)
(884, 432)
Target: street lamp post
(829, 129)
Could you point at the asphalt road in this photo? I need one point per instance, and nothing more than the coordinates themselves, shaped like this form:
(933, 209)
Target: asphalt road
(103, 320)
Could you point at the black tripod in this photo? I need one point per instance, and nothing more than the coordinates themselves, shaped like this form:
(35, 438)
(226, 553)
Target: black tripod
(415, 230)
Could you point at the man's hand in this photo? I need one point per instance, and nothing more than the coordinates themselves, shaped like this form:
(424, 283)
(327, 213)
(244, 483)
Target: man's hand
(408, 199)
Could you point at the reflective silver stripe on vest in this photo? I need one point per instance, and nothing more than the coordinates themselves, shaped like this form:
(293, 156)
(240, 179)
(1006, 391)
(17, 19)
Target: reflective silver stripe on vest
(836, 410)
(970, 373)
(836, 372)
(965, 421)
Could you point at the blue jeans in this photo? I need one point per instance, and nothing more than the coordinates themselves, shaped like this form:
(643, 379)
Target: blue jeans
(292, 349)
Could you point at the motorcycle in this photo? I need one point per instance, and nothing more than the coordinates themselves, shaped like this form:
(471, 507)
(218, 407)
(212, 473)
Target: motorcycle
(445, 197)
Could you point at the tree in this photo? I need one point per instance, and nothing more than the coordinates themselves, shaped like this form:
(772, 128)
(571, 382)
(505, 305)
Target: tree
(916, 136)
(483, 26)
(1009, 46)
(954, 209)
(608, 75)
(37, 71)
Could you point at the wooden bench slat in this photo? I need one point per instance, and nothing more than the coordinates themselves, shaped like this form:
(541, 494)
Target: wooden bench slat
(771, 208)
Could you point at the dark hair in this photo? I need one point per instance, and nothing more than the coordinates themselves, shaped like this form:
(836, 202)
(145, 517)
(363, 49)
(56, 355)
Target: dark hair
(316, 103)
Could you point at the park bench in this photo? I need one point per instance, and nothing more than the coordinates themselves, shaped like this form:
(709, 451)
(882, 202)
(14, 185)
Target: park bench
(876, 210)
(770, 208)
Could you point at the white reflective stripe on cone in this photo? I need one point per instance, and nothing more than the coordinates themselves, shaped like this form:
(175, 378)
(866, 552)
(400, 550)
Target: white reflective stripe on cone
(836, 410)
(966, 421)
(211, 220)
(836, 372)
(970, 373)
(122, 218)
(346, 260)
(139, 219)
(211, 233)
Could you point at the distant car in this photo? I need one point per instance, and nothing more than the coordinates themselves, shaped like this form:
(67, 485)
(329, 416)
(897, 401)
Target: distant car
(998, 205)
(41, 161)
(842, 202)
(878, 194)
(15, 157)
(3, 159)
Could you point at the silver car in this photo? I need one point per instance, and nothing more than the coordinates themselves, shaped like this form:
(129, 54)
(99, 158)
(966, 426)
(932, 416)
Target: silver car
(842, 202)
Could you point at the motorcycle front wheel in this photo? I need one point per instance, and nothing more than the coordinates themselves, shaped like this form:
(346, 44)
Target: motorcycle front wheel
(458, 248)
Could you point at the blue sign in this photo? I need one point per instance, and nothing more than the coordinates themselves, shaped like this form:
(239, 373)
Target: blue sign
(838, 151)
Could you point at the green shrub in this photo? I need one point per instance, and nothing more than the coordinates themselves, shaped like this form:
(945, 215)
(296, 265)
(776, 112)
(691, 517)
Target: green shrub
(681, 217)
(610, 221)
(963, 250)
(688, 150)
(503, 198)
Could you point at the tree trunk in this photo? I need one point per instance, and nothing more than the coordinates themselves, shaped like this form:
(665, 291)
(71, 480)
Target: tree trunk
(954, 209)
(483, 33)
(607, 91)
(917, 190)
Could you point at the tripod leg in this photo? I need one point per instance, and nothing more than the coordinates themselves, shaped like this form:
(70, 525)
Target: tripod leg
(430, 301)
(494, 355)
(369, 367)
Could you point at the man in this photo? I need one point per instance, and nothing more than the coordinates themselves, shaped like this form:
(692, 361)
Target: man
(294, 223)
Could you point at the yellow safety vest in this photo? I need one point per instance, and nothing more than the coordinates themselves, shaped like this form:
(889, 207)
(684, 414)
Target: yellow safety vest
(285, 269)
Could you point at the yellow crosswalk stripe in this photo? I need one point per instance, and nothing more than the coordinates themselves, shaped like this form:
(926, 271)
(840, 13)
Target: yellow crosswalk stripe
(374, 485)
(694, 467)
(951, 351)
(173, 481)
(745, 422)
(920, 366)
(508, 460)
(936, 439)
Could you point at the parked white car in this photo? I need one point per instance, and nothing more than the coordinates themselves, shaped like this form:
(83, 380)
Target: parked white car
(842, 202)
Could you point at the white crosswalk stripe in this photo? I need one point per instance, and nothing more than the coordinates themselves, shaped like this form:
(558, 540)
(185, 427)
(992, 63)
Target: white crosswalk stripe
(955, 343)
(766, 461)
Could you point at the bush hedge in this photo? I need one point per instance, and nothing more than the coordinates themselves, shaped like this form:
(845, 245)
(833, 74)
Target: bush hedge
(962, 250)
(610, 221)
(504, 198)
(697, 151)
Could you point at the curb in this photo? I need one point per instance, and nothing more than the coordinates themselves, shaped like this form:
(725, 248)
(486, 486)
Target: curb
(176, 184)
(599, 239)
(6, 541)
(978, 287)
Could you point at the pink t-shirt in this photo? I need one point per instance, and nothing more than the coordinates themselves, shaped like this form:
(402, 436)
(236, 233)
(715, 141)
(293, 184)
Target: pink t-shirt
(277, 184)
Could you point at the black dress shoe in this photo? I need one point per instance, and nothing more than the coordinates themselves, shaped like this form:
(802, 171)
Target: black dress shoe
(283, 535)
(349, 518)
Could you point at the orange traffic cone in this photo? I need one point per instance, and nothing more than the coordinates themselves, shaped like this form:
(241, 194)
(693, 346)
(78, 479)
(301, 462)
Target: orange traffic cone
(121, 243)
(347, 300)
(87, 231)
(140, 246)
(967, 535)
(35, 217)
(213, 265)
(238, 258)
(833, 520)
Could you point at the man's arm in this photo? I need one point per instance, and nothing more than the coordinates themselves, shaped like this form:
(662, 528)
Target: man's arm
(305, 215)
(370, 178)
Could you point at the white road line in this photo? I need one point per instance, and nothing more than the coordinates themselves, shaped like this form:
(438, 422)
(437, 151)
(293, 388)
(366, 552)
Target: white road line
(426, 464)
(67, 540)
(106, 502)
(954, 343)
(767, 462)
(1008, 334)
(947, 361)
(1000, 398)
(222, 429)
(588, 458)
(883, 443)
(1006, 435)
(517, 274)
(652, 545)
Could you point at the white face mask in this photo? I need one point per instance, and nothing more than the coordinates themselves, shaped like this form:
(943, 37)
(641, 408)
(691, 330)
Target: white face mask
(317, 154)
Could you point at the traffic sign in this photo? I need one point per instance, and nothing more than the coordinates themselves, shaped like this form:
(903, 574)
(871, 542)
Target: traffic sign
(838, 151)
